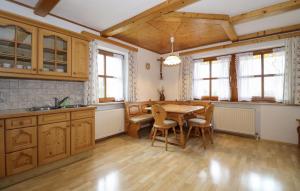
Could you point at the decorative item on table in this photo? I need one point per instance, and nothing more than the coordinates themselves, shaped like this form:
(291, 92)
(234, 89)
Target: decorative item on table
(148, 66)
(161, 94)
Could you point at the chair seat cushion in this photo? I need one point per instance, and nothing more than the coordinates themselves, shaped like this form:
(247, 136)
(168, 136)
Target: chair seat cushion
(167, 123)
(141, 118)
(197, 121)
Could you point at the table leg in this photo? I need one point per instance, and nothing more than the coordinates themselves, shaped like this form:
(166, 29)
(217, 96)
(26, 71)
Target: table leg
(298, 129)
(181, 135)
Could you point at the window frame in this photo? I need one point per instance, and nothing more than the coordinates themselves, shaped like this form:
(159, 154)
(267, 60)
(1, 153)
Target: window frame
(233, 75)
(210, 78)
(104, 76)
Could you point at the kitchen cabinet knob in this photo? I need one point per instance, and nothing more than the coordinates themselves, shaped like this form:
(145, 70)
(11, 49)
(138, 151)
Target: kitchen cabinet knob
(41, 70)
(34, 69)
(74, 72)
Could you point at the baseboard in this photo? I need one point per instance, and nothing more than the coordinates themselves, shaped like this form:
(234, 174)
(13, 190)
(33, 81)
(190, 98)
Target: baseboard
(111, 136)
(236, 134)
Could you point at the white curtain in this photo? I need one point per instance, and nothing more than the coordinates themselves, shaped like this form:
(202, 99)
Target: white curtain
(186, 68)
(91, 93)
(132, 77)
(247, 66)
(220, 69)
(291, 93)
(200, 86)
(274, 64)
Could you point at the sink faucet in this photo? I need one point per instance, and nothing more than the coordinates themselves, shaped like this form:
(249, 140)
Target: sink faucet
(58, 103)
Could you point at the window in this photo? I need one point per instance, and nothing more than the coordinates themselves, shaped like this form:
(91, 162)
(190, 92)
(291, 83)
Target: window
(261, 75)
(211, 79)
(110, 75)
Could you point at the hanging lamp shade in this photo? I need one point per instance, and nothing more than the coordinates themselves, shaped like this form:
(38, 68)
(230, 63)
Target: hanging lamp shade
(172, 59)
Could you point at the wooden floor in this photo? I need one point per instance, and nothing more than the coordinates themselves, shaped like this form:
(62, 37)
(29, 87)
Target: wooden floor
(232, 163)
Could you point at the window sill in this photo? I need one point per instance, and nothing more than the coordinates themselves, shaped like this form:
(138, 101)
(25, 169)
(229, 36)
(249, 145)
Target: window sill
(253, 103)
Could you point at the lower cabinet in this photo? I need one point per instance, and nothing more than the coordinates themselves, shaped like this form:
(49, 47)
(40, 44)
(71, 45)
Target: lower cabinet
(53, 142)
(20, 161)
(2, 151)
(82, 135)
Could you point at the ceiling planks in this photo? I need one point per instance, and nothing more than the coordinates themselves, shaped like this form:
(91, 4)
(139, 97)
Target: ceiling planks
(156, 11)
(190, 15)
(43, 7)
(266, 11)
(116, 43)
(258, 37)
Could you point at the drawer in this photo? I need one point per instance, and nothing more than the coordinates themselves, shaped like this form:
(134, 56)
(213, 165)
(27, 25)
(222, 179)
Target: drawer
(18, 139)
(20, 122)
(21, 161)
(53, 118)
(82, 114)
(1, 123)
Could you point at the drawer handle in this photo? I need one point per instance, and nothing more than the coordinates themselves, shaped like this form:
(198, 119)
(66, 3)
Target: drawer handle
(21, 123)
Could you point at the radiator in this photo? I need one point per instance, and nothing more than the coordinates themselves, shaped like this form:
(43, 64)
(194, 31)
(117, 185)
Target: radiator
(236, 120)
(109, 122)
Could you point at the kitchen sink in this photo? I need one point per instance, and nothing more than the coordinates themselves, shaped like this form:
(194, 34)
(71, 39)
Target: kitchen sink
(47, 108)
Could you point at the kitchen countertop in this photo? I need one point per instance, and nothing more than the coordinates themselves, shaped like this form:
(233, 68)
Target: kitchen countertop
(25, 112)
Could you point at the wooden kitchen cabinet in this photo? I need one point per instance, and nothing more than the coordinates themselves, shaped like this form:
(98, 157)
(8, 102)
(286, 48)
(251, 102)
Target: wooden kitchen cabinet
(2, 151)
(18, 139)
(54, 53)
(20, 122)
(21, 161)
(80, 58)
(82, 135)
(18, 47)
(53, 142)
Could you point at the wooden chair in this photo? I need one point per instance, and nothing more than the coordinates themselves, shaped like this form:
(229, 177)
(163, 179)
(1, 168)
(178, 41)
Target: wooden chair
(203, 124)
(161, 123)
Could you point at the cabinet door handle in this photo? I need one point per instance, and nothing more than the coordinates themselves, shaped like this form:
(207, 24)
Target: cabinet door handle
(41, 70)
(74, 73)
(34, 69)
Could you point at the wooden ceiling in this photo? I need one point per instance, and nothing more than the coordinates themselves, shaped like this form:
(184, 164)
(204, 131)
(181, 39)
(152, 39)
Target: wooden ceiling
(153, 28)
(189, 33)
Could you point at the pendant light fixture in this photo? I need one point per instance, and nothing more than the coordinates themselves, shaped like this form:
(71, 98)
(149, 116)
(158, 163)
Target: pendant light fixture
(172, 59)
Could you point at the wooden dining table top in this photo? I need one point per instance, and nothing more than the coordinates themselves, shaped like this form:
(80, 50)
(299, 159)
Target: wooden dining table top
(182, 109)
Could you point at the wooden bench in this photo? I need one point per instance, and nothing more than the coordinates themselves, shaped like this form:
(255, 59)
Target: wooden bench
(135, 116)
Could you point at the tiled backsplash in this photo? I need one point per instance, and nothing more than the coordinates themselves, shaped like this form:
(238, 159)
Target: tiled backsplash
(21, 93)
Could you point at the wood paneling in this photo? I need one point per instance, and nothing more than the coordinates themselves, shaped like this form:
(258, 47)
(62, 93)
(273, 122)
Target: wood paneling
(155, 35)
(107, 40)
(43, 7)
(266, 11)
(197, 16)
(82, 114)
(154, 12)
(80, 58)
(53, 118)
(244, 42)
(21, 161)
(2, 149)
(20, 122)
(82, 135)
(18, 139)
(54, 142)
(229, 30)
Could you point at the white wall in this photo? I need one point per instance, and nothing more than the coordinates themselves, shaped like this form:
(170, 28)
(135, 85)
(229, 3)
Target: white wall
(148, 80)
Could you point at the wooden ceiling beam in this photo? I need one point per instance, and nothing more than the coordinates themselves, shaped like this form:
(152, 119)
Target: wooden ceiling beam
(43, 7)
(255, 38)
(229, 30)
(270, 32)
(190, 15)
(156, 11)
(266, 11)
(91, 36)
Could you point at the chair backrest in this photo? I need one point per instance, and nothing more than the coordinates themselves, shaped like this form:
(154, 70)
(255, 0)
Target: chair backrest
(209, 113)
(159, 114)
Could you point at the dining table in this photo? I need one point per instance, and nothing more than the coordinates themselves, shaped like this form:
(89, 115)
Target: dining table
(179, 113)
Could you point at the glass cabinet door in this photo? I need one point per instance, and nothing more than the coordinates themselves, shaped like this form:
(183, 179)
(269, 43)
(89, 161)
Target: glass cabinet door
(54, 53)
(17, 47)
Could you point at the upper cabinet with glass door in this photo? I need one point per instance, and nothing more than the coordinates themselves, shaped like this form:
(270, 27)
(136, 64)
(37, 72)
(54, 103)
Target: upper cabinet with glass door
(17, 47)
(54, 53)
